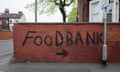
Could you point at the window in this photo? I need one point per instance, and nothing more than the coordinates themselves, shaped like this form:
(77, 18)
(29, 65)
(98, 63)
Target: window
(96, 12)
(109, 14)
(17, 21)
(10, 21)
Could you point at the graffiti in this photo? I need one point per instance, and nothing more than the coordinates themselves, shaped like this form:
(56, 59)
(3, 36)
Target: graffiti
(59, 42)
(48, 42)
(67, 38)
(64, 53)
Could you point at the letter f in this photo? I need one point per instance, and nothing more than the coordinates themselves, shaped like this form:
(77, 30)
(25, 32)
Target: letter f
(27, 36)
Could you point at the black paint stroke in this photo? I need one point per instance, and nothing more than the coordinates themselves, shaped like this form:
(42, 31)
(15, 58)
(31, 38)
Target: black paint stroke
(64, 53)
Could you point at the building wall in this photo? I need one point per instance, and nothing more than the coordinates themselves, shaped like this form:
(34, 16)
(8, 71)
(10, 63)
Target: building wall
(22, 19)
(0, 24)
(83, 10)
(4, 25)
(17, 20)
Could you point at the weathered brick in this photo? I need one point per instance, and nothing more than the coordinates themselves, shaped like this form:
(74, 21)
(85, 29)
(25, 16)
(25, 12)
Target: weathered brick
(87, 51)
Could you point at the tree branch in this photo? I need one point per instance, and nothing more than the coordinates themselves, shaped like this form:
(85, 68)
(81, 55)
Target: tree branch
(56, 2)
(69, 3)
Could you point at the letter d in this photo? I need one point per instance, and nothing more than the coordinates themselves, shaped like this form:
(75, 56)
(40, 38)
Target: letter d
(59, 38)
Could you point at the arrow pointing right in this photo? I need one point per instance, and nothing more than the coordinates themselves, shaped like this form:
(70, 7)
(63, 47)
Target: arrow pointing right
(64, 53)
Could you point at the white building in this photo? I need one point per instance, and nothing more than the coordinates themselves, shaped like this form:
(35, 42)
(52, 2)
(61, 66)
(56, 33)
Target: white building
(91, 10)
(96, 12)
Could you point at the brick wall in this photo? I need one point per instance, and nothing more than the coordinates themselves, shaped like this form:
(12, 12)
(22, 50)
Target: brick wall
(65, 42)
(5, 35)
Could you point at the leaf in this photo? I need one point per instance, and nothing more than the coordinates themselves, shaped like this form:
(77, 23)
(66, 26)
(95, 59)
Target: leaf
(47, 6)
(72, 17)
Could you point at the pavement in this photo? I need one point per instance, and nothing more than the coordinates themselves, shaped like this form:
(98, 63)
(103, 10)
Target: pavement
(7, 66)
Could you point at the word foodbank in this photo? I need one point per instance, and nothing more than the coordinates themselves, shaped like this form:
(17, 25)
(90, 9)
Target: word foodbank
(60, 38)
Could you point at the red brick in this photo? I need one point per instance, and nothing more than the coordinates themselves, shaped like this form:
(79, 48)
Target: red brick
(76, 53)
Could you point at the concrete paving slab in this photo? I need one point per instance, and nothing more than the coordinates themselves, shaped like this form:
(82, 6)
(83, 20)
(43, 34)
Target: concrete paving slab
(62, 67)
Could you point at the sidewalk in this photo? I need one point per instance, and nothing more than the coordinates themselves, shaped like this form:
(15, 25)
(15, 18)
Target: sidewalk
(7, 66)
(62, 67)
(4, 61)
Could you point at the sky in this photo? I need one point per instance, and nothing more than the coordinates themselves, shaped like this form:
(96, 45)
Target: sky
(19, 5)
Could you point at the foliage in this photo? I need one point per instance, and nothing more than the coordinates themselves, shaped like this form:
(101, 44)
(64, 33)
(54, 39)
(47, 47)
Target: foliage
(49, 7)
(72, 17)
(44, 6)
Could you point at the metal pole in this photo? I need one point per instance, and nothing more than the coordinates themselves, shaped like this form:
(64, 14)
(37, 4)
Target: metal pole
(35, 11)
(106, 9)
(104, 56)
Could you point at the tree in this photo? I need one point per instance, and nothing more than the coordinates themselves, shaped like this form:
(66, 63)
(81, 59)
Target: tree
(62, 4)
(72, 16)
(50, 6)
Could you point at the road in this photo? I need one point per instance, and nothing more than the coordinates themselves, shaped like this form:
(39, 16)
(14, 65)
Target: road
(6, 52)
(6, 49)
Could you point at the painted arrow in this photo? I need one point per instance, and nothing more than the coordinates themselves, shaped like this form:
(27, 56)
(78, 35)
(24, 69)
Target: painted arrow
(64, 53)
